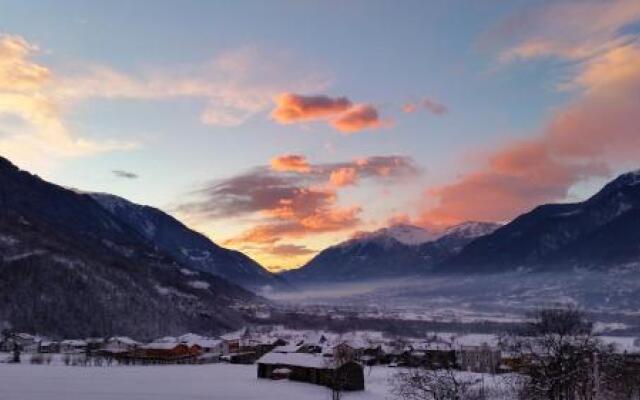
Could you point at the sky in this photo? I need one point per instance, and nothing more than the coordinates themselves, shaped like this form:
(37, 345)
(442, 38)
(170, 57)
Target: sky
(280, 128)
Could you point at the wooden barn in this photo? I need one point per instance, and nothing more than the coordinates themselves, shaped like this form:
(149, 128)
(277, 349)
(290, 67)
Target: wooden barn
(313, 369)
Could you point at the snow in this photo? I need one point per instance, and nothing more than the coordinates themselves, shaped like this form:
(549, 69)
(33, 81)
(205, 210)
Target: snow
(170, 382)
(8, 240)
(296, 360)
(188, 272)
(160, 346)
(406, 234)
(471, 229)
(202, 285)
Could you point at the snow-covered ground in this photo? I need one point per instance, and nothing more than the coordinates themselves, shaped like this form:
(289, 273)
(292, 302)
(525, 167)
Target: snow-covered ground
(171, 382)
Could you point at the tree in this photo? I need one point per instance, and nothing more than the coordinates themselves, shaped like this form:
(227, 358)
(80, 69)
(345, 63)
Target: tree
(443, 384)
(563, 360)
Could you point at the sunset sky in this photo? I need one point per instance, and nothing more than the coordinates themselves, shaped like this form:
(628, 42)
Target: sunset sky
(282, 127)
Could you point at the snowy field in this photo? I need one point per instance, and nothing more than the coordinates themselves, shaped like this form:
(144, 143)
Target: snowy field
(172, 382)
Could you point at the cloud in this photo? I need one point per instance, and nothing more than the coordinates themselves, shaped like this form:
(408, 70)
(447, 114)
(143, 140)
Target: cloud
(290, 250)
(292, 108)
(429, 105)
(566, 29)
(234, 86)
(28, 93)
(398, 219)
(344, 177)
(339, 112)
(286, 205)
(290, 163)
(357, 118)
(595, 133)
(124, 174)
(516, 179)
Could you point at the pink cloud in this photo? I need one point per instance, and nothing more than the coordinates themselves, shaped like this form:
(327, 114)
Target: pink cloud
(339, 112)
(290, 163)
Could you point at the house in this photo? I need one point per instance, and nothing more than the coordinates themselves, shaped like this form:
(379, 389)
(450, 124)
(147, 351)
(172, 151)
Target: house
(48, 346)
(350, 349)
(73, 346)
(235, 341)
(207, 345)
(117, 345)
(312, 368)
(481, 358)
(24, 341)
(167, 352)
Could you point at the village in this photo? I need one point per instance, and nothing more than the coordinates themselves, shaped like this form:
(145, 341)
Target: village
(338, 361)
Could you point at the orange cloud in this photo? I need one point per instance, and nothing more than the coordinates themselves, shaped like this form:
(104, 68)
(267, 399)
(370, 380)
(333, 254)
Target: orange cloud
(292, 107)
(340, 112)
(290, 163)
(343, 177)
(357, 118)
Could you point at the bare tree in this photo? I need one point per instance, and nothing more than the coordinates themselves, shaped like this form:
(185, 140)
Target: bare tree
(443, 384)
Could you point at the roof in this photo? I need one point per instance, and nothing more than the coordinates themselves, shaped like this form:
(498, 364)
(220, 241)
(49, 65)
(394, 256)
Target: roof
(162, 346)
(73, 342)
(123, 339)
(205, 343)
(297, 360)
(290, 348)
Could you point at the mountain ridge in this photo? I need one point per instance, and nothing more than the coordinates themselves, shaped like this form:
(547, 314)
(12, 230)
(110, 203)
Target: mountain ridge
(69, 269)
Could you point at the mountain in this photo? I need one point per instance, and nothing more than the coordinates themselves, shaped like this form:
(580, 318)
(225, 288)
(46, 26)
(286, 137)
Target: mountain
(403, 233)
(68, 268)
(453, 240)
(190, 248)
(599, 233)
(394, 252)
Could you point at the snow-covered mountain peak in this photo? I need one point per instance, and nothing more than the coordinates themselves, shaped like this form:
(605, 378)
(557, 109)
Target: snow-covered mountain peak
(471, 229)
(403, 233)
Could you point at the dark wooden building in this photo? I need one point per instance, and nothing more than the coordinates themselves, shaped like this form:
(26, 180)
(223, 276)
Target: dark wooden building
(313, 369)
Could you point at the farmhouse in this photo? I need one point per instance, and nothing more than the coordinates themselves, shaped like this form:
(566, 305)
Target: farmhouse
(312, 368)
(167, 352)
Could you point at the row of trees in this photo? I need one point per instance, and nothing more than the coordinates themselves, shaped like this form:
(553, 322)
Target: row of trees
(555, 357)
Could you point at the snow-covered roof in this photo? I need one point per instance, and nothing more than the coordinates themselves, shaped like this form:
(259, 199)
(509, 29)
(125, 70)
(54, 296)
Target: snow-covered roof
(73, 342)
(166, 339)
(161, 346)
(297, 360)
(123, 339)
(290, 348)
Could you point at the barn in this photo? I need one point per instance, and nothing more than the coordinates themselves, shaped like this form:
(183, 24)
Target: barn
(312, 368)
